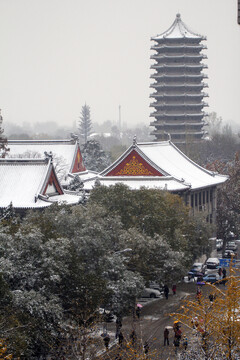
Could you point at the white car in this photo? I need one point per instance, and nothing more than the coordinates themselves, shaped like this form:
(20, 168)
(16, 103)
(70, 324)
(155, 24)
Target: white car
(212, 263)
(151, 293)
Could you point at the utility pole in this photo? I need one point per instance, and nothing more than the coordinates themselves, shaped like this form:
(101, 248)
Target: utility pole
(119, 119)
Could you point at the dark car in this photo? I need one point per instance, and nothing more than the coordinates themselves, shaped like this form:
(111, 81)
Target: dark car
(195, 273)
(231, 245)
(229, 254)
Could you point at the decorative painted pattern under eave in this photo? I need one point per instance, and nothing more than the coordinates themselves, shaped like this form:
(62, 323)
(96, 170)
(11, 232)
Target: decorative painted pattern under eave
(134, 165)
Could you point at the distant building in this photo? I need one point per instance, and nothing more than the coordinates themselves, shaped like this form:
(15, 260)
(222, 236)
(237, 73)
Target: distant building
(31, 184)
(178, 84)
(161, 165)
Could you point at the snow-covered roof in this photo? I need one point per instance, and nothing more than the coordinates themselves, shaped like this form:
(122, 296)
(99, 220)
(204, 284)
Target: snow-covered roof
(24, 183)
(178, 30)
(135, 183)
(64, 151)
(83, 175)
(168, 160)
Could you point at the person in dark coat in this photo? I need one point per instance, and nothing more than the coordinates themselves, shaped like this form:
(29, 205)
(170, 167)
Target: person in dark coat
(138, 312)
(118, 326)
(133, 337)
(120, 338)
(146, 347)
(106, 340)
(166, 334)
(166, 291)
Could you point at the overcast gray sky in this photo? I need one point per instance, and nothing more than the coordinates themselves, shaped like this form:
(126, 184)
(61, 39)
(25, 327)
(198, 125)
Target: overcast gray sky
(58, 54)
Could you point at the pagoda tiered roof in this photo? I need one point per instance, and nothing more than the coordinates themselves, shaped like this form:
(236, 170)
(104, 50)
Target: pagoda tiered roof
(178, 76)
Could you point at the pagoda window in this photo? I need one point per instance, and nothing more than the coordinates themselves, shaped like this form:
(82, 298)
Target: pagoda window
(192, 201)
(207, 199)
(203, 199)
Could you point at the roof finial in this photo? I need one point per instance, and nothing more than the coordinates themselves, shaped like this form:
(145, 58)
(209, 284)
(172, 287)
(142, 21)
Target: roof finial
(178, 16)
(49, 155)
(134, 140)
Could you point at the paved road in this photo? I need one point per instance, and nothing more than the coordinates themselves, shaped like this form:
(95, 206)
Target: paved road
(150, 327)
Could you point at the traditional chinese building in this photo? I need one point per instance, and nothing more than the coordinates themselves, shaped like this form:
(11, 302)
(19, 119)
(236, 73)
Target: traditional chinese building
(161, 165)
(178, 84)
(67, 157)
(31, 184)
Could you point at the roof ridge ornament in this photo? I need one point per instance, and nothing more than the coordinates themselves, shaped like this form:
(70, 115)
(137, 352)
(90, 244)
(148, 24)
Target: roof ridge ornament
(49, 155)
(135, 140)
(74, 137)
(169, 136)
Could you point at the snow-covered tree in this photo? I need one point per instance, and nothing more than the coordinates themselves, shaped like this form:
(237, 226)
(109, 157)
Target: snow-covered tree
(94, 157)
(3, 140)
(85, 123)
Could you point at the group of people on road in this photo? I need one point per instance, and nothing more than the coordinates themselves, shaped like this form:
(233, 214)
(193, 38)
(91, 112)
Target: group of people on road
(178, 338)
(166, 290)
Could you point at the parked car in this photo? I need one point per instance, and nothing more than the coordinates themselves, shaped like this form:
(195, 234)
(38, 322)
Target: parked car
(219, 244)
(212, 263)
(198, 267)
(156, 286)
(231, 245)
(211, 278)
(229, 254)
(151, 293)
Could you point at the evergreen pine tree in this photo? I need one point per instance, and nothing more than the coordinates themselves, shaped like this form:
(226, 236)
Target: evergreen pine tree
(3, 140)
(85, 123)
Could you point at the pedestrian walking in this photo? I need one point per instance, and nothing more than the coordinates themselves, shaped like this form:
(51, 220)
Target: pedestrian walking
(166, 336)
(118, 326)
(138, 312)
(176, 343)
(146, 347)
(106, 340)
(220, 272)
(133, 337)
(198, 294)
(185, 342)
(120, 339)
(166, 291)
(174, 289)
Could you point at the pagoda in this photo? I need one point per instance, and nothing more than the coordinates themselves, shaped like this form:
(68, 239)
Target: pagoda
(178, 85)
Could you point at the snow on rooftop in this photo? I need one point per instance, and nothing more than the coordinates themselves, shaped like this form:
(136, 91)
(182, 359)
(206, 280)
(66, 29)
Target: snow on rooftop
(21, 181)
(63, 150)
(173, 162)
(137, 182)
(178, 30)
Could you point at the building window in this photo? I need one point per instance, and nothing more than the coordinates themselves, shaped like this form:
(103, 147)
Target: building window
(203, 197)
(192, 201)
(200, 198)
(196, 202)
(207, 196)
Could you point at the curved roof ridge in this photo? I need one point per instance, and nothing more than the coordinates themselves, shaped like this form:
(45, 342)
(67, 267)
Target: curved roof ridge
(180, 29)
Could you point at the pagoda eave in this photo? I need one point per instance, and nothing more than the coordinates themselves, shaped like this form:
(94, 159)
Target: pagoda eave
(185, 95)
